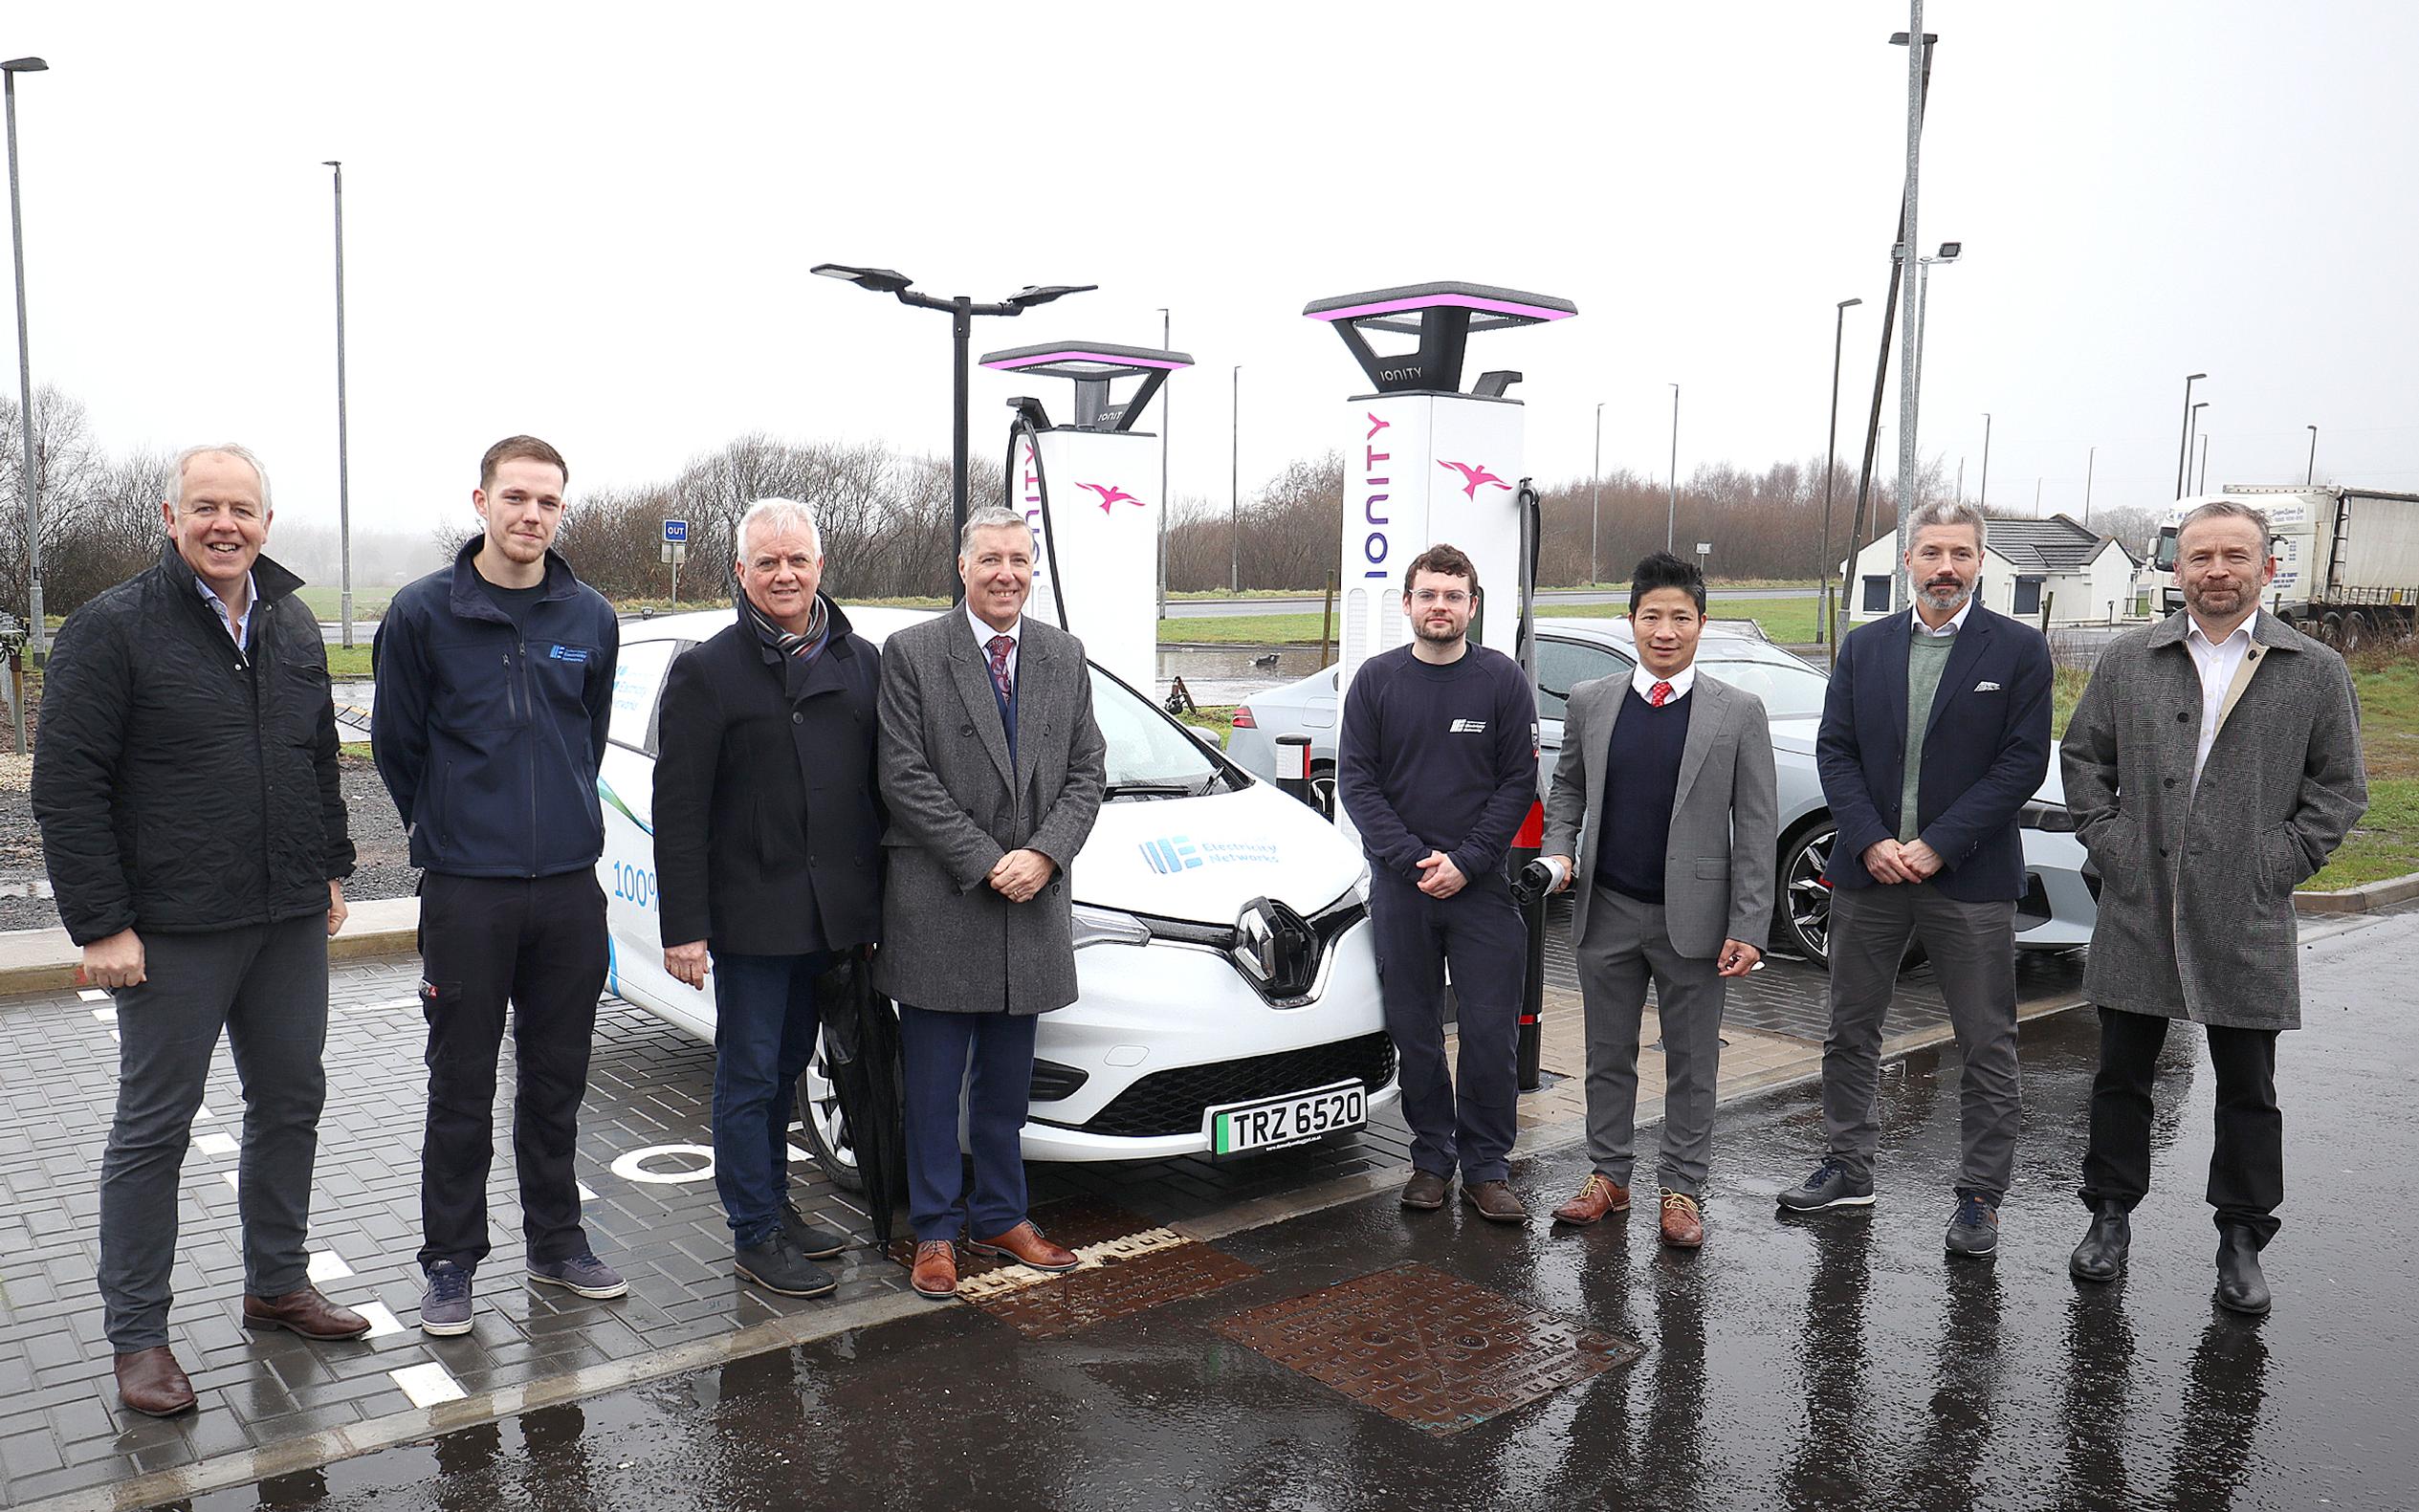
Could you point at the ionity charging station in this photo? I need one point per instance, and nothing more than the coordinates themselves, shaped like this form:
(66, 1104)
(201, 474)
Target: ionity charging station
(1425, 461)
(1091, 487)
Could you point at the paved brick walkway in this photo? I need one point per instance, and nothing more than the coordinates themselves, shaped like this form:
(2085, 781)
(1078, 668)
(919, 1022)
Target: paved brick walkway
(652, 1210)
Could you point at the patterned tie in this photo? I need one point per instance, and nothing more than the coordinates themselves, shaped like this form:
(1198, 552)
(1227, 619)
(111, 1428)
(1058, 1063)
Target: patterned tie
(1000, 647)
(1659, 694)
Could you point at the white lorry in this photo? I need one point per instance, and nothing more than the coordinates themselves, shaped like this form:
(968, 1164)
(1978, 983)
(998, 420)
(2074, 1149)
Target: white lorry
(2347, 567)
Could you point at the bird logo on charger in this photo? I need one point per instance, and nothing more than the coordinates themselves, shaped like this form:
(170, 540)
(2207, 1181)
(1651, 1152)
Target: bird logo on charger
(1474, 476)
(1110, 493)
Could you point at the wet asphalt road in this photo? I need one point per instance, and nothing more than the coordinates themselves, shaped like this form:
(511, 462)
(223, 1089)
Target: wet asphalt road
(1840, 1361)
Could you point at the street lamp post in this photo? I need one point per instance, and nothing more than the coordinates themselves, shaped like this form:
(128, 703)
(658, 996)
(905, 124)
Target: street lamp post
(1595, 502)
(2090, 463)
(2312, 476)
(343, 460)
(1671, 506)
(2183, 451)
(1167, 433)
(1831, 464)
(2192, 432)
(1909, 239)
(37, 642)
(962, 310)
(1235, 481)
(1949, 251)
(1984, 501)
(2202, 487)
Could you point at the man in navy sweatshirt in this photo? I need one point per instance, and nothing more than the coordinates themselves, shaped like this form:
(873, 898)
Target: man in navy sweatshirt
(1437, 769)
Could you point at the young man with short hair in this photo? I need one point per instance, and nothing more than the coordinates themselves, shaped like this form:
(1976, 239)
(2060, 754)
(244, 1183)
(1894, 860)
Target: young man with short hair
(1437, 769)
(494, 682)
(1665, 816)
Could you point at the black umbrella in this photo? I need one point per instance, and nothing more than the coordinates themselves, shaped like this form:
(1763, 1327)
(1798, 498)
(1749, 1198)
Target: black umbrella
(861, 1057)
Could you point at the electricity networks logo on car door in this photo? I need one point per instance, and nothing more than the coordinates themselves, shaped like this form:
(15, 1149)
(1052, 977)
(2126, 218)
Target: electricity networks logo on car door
(1172, 854)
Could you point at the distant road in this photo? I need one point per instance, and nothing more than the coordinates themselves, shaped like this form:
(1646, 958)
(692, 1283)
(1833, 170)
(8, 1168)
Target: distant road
(1229, 609)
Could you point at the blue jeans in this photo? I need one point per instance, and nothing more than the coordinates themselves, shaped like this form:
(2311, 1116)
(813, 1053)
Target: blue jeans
(763, 1040)
(1481, 933)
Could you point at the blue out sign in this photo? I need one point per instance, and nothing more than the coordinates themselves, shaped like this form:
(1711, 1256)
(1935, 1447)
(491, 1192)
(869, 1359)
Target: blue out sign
(676, 530)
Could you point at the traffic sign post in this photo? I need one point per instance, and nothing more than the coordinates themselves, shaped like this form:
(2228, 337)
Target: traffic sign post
(675, 552)
(1705, 549)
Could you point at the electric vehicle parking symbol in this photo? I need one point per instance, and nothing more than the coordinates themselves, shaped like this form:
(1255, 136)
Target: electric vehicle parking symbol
(1110, 494)
(1473, 475)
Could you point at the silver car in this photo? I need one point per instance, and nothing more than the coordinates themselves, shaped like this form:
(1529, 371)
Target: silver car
(2061, 895)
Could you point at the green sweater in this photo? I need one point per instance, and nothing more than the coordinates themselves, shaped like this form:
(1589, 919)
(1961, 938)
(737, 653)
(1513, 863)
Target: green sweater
(1927, 657)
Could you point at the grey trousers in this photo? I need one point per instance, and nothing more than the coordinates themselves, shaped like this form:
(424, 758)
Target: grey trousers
(266, 986)
(1973, 951)
(1625, 946)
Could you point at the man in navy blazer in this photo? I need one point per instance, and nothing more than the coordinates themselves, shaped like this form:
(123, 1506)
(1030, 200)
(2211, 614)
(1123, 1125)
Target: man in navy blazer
(1935, 733)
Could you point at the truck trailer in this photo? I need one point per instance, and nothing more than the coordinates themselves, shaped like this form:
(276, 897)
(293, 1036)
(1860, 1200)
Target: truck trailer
(2347, 558)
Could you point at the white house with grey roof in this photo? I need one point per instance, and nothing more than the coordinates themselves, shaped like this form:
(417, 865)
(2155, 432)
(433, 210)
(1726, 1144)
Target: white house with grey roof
(2081, 577)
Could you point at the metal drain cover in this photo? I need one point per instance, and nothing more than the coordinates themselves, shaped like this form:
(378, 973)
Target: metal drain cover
(1426, 1348)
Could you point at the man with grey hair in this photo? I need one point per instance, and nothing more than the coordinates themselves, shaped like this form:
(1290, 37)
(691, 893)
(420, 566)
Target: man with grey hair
(1935, 733)
(194, 830)
(768, 858)
(993, 769)
(2201, 824)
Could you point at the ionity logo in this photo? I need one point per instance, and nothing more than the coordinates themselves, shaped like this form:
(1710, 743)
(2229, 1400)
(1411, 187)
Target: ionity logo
(1110, 494)
(1474, 476)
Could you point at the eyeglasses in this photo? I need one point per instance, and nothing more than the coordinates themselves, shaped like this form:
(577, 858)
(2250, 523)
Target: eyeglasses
(1450, 598)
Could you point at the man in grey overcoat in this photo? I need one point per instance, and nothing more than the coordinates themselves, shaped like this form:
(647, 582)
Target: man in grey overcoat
(2212, 765)
(1666, 817)
(993, 768)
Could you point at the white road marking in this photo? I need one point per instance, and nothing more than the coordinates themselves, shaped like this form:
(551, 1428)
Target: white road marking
(93, 995)
(215, 1145)
(381, 1322)
(1013, 1277)
(427, 1383)
(327, 1266)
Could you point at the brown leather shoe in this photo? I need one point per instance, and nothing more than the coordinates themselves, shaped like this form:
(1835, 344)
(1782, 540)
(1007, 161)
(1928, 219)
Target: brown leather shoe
(1683, 1225)
(935, 1272)
(1424, 1191)
(1025, 1245)
(152, 1382)
(1494, 1201)
(1598, 1196)
(307, 1313)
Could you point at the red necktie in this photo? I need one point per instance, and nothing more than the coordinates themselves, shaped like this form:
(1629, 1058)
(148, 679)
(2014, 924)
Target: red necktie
(1000, 646)
(1659, 694)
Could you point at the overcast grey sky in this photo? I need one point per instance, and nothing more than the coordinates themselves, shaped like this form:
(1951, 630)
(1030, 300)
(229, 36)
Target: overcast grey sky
(594, 222)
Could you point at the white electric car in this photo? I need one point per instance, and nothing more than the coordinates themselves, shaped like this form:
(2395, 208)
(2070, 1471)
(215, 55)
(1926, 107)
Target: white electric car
(1228, 989)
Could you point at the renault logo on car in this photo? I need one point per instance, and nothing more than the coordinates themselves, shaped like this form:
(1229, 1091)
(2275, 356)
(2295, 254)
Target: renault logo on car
(1277, 949)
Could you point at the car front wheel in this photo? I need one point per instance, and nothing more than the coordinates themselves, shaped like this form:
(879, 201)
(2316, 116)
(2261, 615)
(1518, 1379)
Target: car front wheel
(1803, 921)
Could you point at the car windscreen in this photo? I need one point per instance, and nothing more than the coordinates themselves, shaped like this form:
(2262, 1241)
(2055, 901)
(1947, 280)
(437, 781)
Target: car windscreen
(1789, 689)
(1150, 754)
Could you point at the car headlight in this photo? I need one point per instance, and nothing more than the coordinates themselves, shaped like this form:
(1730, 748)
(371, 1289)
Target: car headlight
(2056, 818)
(1108, 926)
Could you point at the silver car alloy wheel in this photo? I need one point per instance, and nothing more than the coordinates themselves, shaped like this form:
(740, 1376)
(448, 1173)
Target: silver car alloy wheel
(1805, 896)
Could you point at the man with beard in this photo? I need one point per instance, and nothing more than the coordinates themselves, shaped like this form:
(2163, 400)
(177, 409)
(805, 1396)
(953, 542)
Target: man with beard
(1935, 733)
(2212, 765)
(1438, 768)
(768, 862)
(494, 683)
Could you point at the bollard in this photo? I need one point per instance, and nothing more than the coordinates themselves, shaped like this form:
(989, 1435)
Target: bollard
(1293, 767)
(1532, 991)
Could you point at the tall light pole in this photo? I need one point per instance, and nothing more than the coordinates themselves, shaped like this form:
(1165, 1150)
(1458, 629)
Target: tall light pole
(1671, 507)
(1831, 464)
(2191, 429)
(1949, 251)
(2090, 463)
(1983, 501)
(1595, 504)
(2312, 476)
(2184, 449)
(1235, 482)
(38, 641)
(962, 310)
(1909, 237)
(343, 459)
(2202, 487)
(1167, 433)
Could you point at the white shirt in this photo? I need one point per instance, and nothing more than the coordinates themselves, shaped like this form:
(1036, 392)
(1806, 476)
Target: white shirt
(2217, 663)
(1681, 682)
(238, 625)
(982, 641)
(1956, 622)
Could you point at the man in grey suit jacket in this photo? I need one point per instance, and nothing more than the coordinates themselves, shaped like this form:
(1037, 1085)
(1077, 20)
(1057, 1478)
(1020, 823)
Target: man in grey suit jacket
(993, 768)
(1666, 815)
(2212, 765)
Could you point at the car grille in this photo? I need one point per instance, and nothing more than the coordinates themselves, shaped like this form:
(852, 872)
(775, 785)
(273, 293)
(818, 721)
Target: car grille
(1173, 1101)
(1326, 928)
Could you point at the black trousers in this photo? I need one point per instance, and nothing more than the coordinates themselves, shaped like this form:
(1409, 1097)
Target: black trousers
(2246, 1173)
(537, 945)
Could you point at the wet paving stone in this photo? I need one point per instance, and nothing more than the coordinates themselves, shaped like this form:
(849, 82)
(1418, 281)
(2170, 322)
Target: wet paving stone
(1428, 1348)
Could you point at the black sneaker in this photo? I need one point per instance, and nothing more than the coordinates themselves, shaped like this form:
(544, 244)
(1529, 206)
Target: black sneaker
(812, 1239)
(1829, 1187)
(775, 1265)
(1974, 1229)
